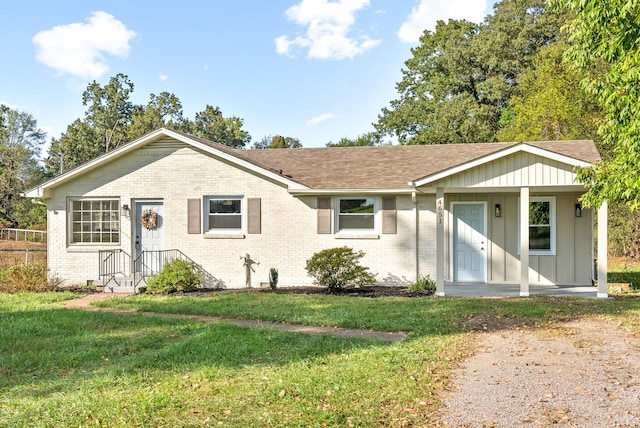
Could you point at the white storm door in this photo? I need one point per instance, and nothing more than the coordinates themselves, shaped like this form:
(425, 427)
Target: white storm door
(469, 242)
(149, 240)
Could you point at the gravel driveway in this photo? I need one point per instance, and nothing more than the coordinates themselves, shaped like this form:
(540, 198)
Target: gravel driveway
(584, 374)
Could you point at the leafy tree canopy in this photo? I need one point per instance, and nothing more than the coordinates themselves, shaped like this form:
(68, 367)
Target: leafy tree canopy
(111, 119)
(277, 142)
(461, 77)
(20, 143)
(367, 139)
(605, 38)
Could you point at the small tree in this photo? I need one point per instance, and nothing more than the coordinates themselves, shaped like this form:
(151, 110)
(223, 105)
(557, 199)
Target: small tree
(339, 268)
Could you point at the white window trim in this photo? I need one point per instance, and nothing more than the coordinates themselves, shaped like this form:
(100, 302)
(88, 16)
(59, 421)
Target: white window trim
(552, 221)
(243, 216)
(357, 233)
(70, 243)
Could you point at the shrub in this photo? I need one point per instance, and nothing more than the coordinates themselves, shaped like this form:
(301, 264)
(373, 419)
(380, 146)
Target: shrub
(273, 278)
(424, 285)
(339, 268)
(23, 277)
(177, 275)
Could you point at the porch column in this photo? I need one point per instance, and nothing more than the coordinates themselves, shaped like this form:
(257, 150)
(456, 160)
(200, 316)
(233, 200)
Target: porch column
(524, 242)
(603, 289)
(439, 241)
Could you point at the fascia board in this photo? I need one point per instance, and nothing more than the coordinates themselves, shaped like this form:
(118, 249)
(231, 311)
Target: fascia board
(495, 156)
(339, 192)
(41, 190)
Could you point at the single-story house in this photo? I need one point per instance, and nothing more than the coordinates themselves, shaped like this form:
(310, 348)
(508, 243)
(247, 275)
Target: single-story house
(460, 213)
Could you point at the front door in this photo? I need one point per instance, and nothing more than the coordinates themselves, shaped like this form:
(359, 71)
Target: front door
(149, 236)
(469, 242)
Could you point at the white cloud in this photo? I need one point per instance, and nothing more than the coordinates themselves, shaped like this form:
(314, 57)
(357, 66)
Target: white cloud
(429, 12)
(163, 77)
(318, 119)
(328, 24)
(79, 48)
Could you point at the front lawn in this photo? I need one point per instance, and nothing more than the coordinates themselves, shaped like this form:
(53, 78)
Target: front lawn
(69, 367)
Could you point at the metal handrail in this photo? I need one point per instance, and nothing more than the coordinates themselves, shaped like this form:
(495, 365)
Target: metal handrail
(112, 263)
(151, 262)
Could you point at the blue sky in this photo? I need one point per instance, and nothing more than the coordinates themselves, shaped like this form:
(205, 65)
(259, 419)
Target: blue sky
(316, 70)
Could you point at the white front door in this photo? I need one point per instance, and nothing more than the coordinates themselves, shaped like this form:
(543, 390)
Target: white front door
(469, 242)
(149, 238)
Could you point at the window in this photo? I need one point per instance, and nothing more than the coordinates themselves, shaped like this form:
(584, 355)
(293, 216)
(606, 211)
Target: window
(95, 221)
(224, 215)
(356, 214)
(542, 212)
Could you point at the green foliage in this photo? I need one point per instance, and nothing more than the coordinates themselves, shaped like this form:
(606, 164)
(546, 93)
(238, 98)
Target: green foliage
(277, 142)
(212, 125)
(367, 139)
(424, 285)
(176, 276)
(339, 268)
(273, 278)
(22, 278)
(461, 77)
(549, 104)
(20, 144)
(605, 48)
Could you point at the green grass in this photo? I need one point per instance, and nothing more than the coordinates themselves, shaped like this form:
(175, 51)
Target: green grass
(68, 367)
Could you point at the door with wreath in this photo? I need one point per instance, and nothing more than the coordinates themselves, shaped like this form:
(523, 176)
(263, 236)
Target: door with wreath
(149, 236)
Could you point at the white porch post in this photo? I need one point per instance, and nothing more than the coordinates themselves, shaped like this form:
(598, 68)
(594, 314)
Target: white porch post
(524, 242)
(439, 241)
(603, 289)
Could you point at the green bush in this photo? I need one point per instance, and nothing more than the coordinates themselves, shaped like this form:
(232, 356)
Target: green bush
(177, 275)
(23, 277)
(424, 285)
(339, 268)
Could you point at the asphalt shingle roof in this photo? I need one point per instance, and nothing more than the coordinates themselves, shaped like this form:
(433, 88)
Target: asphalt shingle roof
(385, 167)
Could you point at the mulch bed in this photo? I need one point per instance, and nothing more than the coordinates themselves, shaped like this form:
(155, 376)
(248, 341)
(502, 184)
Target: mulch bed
(370, 292)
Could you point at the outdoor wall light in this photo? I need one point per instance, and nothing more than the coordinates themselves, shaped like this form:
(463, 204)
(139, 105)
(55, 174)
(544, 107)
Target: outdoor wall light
(125, 209)
(498, 210)
(578, 210)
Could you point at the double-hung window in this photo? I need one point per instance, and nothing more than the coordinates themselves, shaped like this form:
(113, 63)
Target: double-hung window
(94, 221)
(224, 214)
(356, 214)
(542, 229)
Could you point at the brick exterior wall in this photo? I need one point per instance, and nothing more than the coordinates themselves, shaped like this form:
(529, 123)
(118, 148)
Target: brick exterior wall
(174, 172)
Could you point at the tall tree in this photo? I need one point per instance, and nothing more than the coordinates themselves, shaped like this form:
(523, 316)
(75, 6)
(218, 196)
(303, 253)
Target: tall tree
(605, 38)
(548, 104)
(109, 109)
(161, 110)
(366, 139)
(277, 142)
(212, 125)
(78, 145)
(460, 77)
(20, 143)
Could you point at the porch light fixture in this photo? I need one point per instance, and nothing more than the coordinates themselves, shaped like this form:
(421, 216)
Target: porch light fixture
(578, 210)
(125, 209)
(498, 210)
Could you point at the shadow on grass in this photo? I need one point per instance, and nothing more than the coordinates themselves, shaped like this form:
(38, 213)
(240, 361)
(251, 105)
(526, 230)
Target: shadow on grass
(427, 316)
(53, 350)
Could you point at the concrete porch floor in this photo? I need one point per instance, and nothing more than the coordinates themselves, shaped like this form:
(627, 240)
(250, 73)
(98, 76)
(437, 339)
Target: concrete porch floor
(513, 290)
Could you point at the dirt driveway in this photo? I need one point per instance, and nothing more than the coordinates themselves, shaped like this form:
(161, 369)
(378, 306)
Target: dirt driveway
(584, 374)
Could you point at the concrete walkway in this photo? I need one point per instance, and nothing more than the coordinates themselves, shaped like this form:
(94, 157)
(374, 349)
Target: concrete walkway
(85, 303)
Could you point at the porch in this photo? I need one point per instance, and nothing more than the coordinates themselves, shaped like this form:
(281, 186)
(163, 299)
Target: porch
(513, 290)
